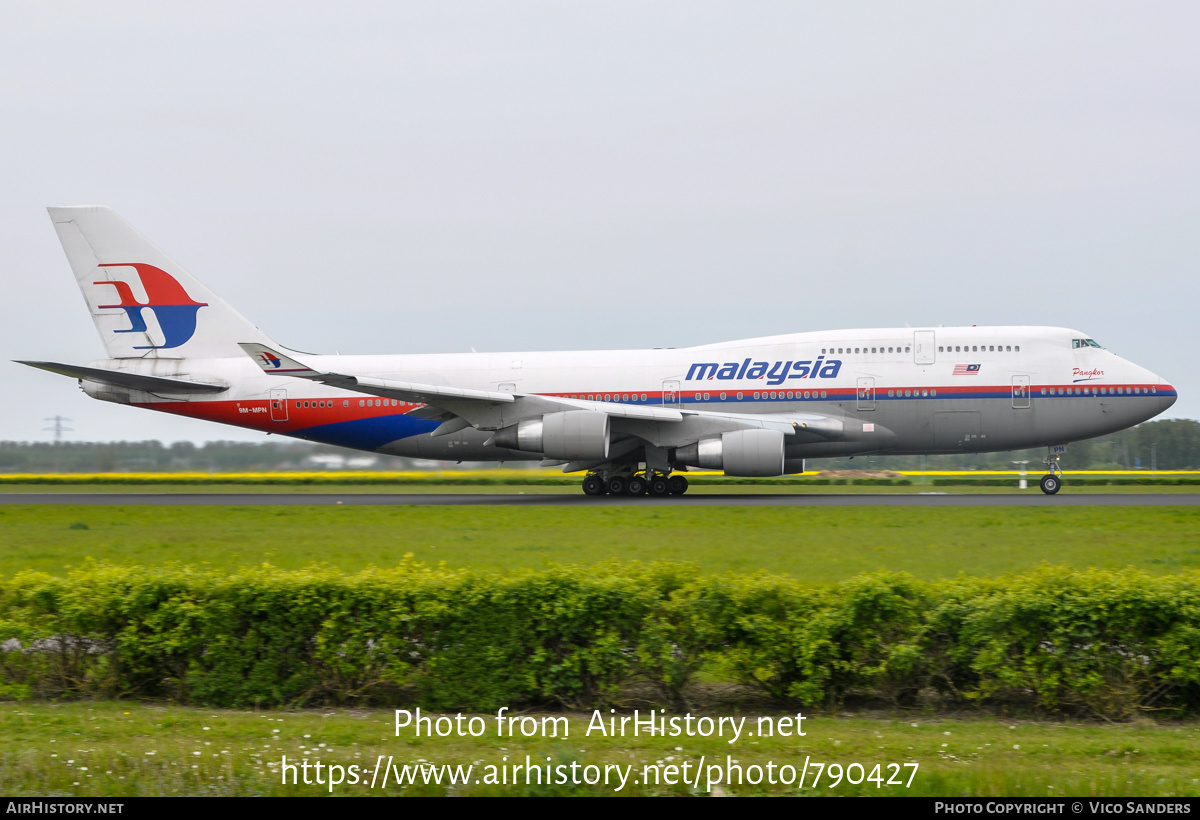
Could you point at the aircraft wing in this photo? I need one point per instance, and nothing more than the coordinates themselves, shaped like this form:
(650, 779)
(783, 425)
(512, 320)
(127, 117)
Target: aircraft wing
(483, 409)
(133, 381)
(491, 410)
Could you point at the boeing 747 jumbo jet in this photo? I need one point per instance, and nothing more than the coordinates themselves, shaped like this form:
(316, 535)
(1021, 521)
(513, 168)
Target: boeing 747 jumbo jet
(632, 420)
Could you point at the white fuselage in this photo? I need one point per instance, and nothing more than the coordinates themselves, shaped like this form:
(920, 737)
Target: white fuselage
(901, 390)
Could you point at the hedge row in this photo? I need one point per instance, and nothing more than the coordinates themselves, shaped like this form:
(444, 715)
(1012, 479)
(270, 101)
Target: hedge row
(1096, 642)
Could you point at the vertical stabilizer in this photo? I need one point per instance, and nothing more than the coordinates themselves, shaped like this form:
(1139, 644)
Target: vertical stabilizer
(144, 304)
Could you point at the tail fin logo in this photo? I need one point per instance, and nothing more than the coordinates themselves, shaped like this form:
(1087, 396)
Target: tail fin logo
(269, 360)
(173, 308)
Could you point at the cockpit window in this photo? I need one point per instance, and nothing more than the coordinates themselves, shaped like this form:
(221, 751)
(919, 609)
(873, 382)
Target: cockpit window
(1093, 342)
(1076, 344)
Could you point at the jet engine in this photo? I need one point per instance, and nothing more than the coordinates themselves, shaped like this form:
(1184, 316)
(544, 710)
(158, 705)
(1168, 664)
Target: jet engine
(574, 435)
(755, 453)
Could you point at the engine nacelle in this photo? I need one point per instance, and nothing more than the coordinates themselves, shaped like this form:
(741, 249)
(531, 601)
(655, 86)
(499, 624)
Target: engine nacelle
(574, 435)
(752, 453)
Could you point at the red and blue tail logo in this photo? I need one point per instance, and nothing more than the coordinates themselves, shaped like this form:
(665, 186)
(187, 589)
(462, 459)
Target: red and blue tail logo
(269, 360)
(174, 309)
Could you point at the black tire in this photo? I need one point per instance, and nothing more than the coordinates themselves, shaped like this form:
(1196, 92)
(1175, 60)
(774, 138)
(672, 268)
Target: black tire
(593, 485)
(677, 485)
(659, 488)
(616, 485)
(636, 485)
(1051, 484)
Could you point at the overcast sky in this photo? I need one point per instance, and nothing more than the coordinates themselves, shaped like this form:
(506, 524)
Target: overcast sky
(427, 177)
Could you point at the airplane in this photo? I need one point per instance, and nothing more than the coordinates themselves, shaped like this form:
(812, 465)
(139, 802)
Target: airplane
(633, 421)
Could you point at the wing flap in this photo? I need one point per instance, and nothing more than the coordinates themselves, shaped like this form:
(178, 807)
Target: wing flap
(787, 423)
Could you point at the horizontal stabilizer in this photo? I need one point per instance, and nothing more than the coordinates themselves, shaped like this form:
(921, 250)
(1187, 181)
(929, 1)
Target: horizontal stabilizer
(133, 381)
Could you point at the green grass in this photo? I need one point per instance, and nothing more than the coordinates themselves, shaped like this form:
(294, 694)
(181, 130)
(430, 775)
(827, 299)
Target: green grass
(133, 749)
(813, 544)
(981, 756)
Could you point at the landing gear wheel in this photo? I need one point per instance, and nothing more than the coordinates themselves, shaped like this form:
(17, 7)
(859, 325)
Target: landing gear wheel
(659, 487)
(616, 485)
(1051, 484)
(677, 485)
(593, 485)
(636, 485)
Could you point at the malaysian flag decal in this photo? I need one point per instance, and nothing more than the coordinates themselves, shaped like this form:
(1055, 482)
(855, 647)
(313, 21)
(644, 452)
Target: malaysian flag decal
(966, 370)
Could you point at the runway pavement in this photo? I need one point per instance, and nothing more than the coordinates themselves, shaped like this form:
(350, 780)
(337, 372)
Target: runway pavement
(580, 500)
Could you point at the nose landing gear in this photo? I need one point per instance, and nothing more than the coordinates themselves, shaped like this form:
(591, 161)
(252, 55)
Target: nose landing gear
(1052, 482)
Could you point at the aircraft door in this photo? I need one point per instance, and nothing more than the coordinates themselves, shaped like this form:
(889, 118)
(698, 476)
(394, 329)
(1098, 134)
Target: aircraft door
(1020, 392)
(866, 393)
(670, 392)
(923, 346)
(279, 404)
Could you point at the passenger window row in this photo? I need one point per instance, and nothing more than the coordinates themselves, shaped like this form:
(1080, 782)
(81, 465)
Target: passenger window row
(908, 349)
(765, 394)
(979, 348)
(877, 349)
(607, 396)
(1098, 391)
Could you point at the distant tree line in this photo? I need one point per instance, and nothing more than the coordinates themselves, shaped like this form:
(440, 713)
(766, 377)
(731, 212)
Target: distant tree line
(1173, 444)
(182, 456)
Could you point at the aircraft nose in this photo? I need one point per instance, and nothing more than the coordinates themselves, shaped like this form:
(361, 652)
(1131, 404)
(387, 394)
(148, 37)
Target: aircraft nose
(1166, 396)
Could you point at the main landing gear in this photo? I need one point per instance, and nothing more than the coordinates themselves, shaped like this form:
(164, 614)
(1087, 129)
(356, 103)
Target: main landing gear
(649, 482)
(1052, 482)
